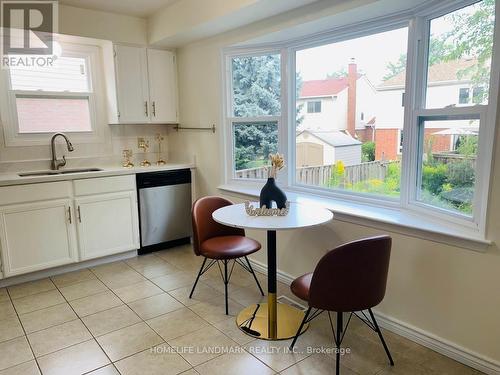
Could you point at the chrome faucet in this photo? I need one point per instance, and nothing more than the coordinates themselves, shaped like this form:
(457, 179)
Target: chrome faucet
(56, 164)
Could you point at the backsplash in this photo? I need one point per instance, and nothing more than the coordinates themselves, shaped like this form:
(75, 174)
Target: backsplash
(108, 152)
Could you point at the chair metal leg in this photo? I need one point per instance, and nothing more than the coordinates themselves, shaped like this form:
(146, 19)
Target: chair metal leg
(226, 281)
(300, 328)
(254, 276)
(340, 325)
(198, 277)
(379, 332)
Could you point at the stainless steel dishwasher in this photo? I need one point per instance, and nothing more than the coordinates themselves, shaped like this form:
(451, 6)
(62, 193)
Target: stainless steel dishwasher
(164, 209)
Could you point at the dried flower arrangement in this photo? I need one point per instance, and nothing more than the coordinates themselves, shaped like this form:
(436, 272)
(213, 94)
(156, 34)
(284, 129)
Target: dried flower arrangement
(277, 164)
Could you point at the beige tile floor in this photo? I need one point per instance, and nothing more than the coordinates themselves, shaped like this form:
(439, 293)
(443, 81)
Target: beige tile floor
(135, 318)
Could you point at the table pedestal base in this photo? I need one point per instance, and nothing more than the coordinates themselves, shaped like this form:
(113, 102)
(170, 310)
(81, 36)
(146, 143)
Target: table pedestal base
(254, 321)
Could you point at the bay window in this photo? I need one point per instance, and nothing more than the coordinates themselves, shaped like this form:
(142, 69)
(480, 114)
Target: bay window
(352, 149)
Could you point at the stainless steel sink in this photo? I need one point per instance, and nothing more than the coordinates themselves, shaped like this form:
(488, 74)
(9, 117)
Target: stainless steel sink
(81, 170)
(64, 171)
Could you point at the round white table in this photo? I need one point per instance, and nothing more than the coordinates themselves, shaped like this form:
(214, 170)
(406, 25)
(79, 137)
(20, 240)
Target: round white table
(272, 320)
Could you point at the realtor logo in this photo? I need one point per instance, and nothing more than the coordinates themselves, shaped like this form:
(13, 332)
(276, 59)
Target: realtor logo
(28, 27)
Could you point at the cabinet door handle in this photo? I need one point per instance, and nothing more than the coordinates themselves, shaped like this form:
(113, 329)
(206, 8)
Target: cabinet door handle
(69, 215)
(146, 109)
(154, 109)
(79, 215)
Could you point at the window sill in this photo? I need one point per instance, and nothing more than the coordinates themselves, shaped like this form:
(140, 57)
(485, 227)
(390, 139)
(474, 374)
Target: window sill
(392, 219)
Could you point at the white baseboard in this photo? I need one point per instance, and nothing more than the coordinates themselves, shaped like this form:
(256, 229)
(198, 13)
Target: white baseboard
(66, 268)
(427, 339)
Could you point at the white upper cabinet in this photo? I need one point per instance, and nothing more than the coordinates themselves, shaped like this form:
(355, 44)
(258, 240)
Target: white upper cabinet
(132, 84)
(162, 86)
(146, 83)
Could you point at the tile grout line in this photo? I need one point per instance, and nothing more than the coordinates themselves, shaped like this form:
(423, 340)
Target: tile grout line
(87, 328)
(56, 287)
(143, 321)
(25, 334)
(188, 307)
(213, 325)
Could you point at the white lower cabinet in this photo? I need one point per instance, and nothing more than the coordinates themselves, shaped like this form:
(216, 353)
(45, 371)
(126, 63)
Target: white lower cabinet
(36, 236)
(107, 224)
(56, 223)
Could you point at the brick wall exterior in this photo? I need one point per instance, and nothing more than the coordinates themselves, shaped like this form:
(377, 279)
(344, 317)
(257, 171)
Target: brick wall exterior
(440, 143)
(365, 135)
(386, 141)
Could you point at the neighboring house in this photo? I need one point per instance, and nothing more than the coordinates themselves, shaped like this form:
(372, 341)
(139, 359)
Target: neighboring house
(316, 148)
(346, 103)
(354, 106)
(445, 83)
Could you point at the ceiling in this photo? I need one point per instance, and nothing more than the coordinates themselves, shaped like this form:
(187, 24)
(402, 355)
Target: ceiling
(137, 8)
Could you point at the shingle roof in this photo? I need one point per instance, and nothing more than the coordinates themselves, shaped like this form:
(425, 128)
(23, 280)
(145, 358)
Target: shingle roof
(324, 87)
(443, 71)
(334, 138)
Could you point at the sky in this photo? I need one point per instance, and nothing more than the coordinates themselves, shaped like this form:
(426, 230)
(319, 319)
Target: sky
(372, 53)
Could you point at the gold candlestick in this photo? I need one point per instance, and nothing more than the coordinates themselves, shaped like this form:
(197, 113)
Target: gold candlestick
(127, 163)
(159, 138)
(144, 145)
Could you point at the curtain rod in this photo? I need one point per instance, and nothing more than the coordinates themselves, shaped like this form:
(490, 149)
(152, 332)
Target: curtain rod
(177, 127)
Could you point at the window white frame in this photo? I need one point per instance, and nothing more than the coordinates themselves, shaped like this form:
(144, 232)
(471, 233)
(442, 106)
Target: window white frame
(417, 22)
(8, 109)
(230, 119)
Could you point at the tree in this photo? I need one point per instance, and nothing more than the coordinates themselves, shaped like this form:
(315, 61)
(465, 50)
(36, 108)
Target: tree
(471, 36)
(438, 50)
(254, 142)
(256, 86)
(341, 73)
(393, 69)
(368, 151)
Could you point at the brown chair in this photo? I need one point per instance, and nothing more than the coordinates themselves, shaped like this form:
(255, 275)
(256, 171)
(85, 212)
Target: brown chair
(220, 243)
(349, 279)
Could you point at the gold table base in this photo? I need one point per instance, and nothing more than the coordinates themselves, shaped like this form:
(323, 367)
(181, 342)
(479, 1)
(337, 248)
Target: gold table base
(253, 320)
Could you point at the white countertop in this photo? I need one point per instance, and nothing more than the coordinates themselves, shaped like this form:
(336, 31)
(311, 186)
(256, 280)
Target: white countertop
(13, 178)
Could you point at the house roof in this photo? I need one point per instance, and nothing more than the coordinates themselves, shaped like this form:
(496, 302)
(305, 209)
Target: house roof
(443, 71)
(334, 138)
(324, 87)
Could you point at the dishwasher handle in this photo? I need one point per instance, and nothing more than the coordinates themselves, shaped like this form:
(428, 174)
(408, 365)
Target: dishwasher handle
(163, 178)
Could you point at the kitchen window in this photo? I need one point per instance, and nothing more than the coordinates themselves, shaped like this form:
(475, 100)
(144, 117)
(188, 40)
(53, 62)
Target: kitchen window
(57, 97)
(439, 170)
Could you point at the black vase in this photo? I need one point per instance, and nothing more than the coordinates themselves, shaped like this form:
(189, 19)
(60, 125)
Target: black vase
(271, 192)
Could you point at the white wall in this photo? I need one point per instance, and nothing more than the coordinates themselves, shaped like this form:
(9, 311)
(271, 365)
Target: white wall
(449, 292)
(365, 102)
(390, 112)
(328, 119)
(102, 25)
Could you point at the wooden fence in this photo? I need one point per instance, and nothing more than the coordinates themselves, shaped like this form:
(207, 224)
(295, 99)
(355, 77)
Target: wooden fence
(321, 175)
